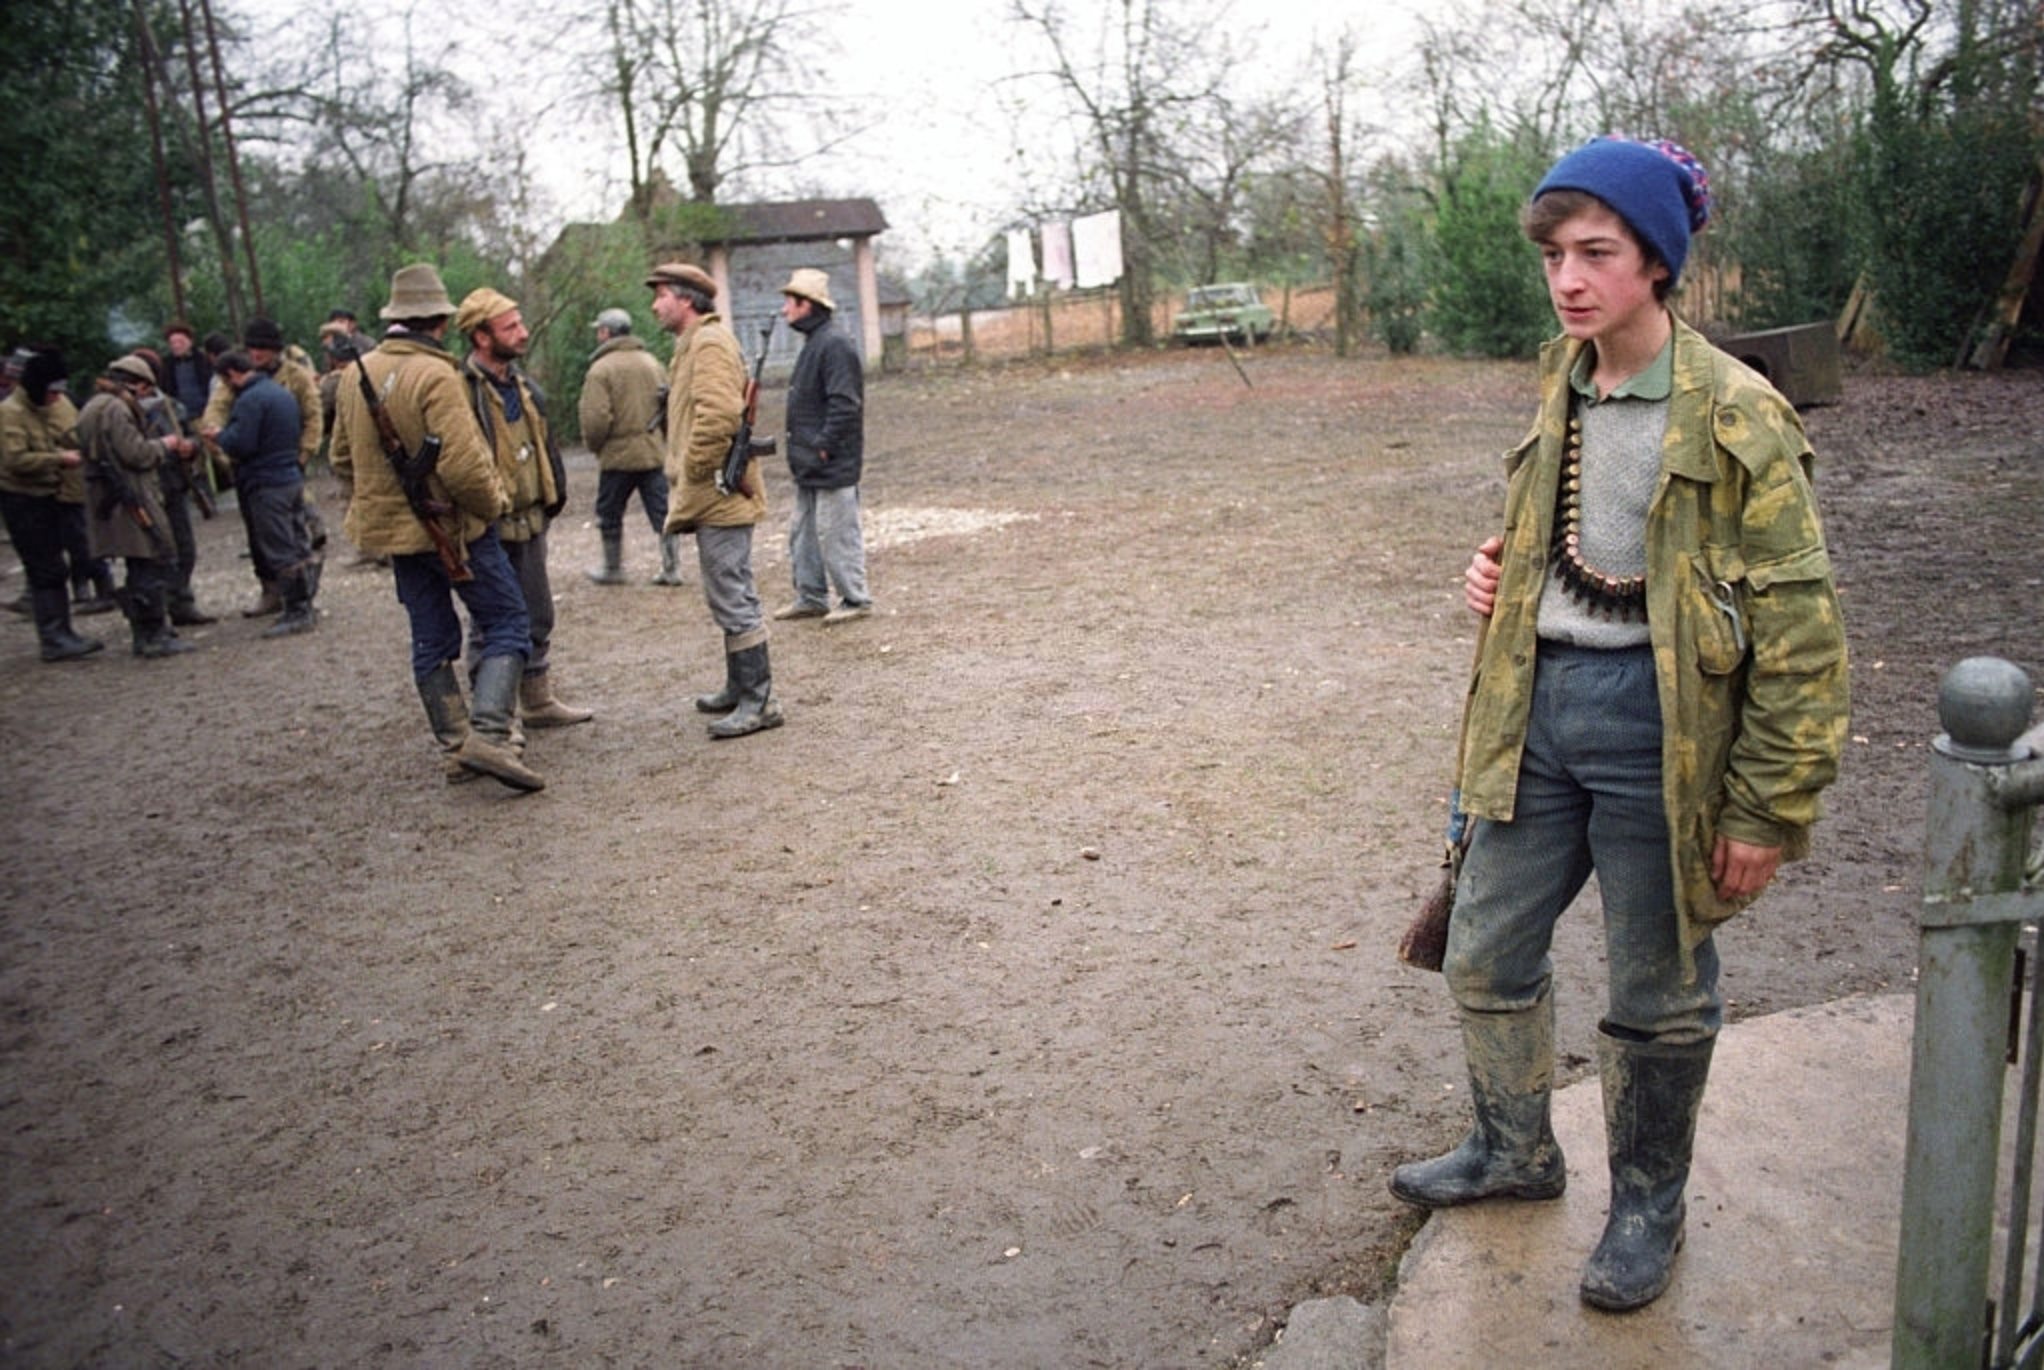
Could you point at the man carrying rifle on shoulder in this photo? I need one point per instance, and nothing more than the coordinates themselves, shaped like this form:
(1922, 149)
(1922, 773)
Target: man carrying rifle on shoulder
(124, 504)
(427, 495)
(705, 412)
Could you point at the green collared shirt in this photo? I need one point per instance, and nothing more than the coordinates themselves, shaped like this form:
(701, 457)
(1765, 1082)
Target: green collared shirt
(1657, 382)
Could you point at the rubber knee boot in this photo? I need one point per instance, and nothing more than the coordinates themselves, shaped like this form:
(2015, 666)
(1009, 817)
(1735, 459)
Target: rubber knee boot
(670, 560)
(447, 715)
(95, 594)
(1652, 1093)
(488, 748)
(757, 710)
(726, 699)
(540, 709)
(1510, 1152)
(52, 610)
(296, 592)
(149, 613)
(612, 571)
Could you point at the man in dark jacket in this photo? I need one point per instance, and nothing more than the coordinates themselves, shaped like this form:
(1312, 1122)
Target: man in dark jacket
(190, 373)
(262, 437)
(826, 453)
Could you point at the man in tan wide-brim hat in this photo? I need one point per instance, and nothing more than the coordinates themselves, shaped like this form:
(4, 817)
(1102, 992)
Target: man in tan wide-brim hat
(448, 545)
(826, 457)
(705, 405)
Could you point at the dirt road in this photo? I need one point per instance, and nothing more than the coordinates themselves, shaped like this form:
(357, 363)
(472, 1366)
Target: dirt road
(1028, 1000)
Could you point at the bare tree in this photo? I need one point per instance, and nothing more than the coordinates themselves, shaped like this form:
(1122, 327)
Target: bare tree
(725, 86)
(1337, 78)
(1135, 81)
(1220, 157)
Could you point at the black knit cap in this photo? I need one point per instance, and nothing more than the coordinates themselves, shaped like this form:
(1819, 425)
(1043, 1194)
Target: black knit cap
(262, 332)
(42, 371)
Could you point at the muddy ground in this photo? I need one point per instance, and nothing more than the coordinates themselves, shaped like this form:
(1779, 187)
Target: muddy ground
(1028, 1000)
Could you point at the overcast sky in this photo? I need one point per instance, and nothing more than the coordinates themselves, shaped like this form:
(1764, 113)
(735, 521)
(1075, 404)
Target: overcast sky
(937, 157)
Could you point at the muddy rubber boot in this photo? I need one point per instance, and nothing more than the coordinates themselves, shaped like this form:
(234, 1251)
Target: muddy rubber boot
(726, 699)
(538, 707)
(447, 715)
(612, 571)
(1510, 1152)
(149, 612)
(52, 610)
(757, 709)
(1652, 1093)
(95, 595)
(670, 560)
(185, 611)
(488, 748)
(267, 603)
(298, 616)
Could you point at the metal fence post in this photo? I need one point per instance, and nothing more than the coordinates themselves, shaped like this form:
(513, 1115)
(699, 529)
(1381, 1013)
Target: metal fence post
(1975, 844)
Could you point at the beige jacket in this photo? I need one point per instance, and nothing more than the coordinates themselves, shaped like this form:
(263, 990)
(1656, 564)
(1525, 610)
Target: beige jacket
(705, 401)
(420, 386)
(620, 401)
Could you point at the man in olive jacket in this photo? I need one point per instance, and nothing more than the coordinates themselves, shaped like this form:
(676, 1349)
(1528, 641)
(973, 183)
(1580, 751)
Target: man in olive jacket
(826, 456)
(511, 412)
(705, 404)
(125, 505)
(621, 421)
(419, 389)
(38, 449)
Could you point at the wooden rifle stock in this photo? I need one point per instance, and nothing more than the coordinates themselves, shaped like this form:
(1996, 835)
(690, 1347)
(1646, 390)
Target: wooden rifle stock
(731, 476)
(411, 478)
(1424, 944)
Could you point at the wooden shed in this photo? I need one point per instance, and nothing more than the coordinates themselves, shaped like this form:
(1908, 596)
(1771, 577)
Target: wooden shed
(769, 240)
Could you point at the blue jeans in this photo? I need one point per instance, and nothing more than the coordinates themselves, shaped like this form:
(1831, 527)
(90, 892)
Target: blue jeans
(527, 560)
(493, 598)
(826, 546)
(1589, 798)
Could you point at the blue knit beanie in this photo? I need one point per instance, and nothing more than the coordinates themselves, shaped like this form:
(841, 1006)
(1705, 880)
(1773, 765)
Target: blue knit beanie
(1658, 188)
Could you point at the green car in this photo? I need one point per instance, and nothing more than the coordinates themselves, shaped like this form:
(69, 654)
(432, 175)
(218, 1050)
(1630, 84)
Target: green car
(1235, 312)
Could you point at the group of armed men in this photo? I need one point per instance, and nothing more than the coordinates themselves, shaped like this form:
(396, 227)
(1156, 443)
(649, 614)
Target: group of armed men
(451, 476)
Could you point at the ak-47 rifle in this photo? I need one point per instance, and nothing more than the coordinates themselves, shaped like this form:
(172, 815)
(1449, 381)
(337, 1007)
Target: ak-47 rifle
(164, 417)
(731, 475)
(412, 470)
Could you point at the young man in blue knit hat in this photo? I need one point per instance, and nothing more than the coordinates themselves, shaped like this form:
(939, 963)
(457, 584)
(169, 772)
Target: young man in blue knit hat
(1660, 697)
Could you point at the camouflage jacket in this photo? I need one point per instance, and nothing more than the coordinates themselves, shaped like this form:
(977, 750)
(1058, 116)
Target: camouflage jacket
(1749, 648)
